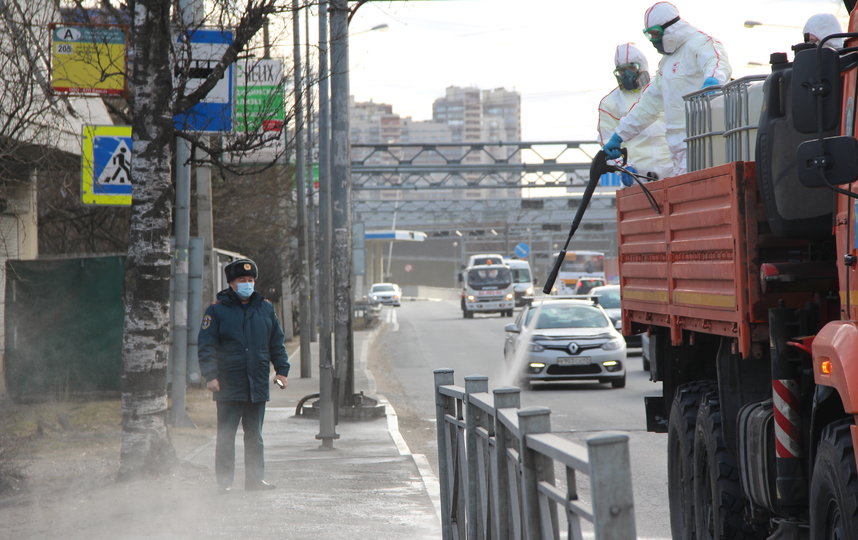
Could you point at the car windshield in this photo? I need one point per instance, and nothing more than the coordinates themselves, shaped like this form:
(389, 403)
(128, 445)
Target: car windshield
(609, 298)
(521, 275)
(567, 316)
(482, 277)
(382, 288)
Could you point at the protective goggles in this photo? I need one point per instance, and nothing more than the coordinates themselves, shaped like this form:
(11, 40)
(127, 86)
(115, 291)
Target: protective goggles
(622, 68)
(655, 33)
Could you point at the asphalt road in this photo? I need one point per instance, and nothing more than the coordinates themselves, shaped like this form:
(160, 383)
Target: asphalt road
(425, 335)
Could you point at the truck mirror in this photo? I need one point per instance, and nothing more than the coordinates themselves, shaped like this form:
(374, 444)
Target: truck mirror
(815, 77)
(832, 158)
(460, 277)
(535, 282)
(511, 327)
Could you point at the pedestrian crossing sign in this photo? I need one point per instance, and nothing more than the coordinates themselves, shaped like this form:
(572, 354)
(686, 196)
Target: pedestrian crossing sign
(106, 165)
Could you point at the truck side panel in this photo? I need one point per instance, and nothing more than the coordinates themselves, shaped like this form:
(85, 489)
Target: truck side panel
(689, 268)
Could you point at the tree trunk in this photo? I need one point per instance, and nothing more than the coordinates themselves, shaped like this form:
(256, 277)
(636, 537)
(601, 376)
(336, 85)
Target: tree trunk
(146, 445)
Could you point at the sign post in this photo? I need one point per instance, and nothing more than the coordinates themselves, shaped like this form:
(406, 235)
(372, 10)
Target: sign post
(214, 112)
(106, 165)
(88, 59)
(259, 96)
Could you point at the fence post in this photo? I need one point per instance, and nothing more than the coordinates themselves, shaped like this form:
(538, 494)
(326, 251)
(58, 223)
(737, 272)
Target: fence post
(474, 384)
(443, 377)
(611, 485)
(533, 420)
(504, 398)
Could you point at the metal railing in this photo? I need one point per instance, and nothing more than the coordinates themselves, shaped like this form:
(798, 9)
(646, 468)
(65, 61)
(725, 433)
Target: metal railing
(497, 469)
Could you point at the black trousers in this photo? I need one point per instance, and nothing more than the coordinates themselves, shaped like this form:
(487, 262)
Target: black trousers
(251, 415)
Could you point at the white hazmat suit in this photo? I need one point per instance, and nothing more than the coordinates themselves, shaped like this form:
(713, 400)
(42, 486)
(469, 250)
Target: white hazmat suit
(690, 58)
(648, 151)
(822, 25)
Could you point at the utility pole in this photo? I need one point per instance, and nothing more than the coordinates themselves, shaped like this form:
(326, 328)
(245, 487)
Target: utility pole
(341, 201)
(327, 429)
(304, 291)
(311, 207)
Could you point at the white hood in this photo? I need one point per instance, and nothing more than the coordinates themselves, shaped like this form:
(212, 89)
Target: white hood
(628, 53)
(822, 25)
(677, 33)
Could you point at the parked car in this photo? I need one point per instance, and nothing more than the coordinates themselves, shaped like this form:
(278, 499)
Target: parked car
(385, 293)
(609, 298)
(567, 340)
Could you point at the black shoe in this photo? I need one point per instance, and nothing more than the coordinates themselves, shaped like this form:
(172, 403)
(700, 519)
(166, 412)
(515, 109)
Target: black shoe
(224, 490)
(262, 485)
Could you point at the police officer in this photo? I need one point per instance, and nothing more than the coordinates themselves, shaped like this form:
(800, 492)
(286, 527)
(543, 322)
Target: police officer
(239, 340)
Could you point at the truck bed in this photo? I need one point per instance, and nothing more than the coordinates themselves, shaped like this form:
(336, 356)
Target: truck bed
(696, 266)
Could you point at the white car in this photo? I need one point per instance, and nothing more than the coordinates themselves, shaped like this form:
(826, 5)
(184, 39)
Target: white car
(388, 294)
(570, 340)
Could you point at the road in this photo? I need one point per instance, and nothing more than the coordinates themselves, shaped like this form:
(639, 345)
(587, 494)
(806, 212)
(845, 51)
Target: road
(425, 335)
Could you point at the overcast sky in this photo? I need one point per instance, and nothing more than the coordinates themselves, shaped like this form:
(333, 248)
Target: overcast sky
(557, 53)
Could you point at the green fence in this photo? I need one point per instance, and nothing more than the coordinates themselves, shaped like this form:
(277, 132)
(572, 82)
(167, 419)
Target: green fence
(63, 323)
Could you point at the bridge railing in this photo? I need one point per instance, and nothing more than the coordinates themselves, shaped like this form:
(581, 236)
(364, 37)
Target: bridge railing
(497, 466)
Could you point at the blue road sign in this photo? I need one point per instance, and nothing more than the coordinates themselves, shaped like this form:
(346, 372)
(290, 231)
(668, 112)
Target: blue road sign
(106, 165)
(521, 250)
(214, 112)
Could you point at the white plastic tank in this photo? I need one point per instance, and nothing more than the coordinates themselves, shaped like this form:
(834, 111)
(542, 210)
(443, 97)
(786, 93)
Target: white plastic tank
(704, 128)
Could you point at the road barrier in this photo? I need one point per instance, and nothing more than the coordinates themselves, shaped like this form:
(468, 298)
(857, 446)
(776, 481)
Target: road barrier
(497, 469)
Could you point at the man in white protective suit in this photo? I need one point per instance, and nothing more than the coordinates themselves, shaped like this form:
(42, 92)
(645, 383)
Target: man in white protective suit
(648, 152)
(691, 60)
(822, 25)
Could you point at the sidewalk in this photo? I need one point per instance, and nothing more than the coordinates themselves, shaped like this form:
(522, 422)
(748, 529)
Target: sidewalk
(368, 486)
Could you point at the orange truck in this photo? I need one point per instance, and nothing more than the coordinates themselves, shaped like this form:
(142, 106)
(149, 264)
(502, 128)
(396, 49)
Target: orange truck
(744, 277)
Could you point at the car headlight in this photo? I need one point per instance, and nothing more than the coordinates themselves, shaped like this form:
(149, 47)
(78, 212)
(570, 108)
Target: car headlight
(529, 291)
(471, 298)
(374, 297)
(536, 347)
(536, 365)
(509, 296)
(612, 345)
(396, 297)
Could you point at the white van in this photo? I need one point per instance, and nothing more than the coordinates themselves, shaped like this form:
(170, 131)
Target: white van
(522, 281)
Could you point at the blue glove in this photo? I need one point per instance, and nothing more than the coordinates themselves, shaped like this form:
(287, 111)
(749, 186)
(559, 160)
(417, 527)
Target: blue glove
(612, 147)
(627, 179)
(710, 81)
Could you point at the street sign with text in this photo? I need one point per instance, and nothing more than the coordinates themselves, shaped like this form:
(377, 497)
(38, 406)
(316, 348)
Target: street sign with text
(259, 95)
(88, 59)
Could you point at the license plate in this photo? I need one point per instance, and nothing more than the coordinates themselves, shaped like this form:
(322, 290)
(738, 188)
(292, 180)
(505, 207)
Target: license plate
(573, 360)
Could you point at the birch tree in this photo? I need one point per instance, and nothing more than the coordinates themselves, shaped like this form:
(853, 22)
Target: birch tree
(146, 447)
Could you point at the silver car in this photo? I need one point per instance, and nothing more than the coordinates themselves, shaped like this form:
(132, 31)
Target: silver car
(385, 293)
(566, 340)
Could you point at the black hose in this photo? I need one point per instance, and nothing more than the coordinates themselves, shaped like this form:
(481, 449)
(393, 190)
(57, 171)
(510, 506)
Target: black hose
(598, 167)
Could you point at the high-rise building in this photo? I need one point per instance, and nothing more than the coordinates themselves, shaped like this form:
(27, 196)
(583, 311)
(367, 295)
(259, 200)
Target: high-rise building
(461, 109)
(505, 105)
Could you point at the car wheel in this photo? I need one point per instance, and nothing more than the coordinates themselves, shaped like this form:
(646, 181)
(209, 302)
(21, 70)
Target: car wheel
(719, 505)
(619, 383)
(833, 499)
(680, 456)
(646, 364)
(468, 314)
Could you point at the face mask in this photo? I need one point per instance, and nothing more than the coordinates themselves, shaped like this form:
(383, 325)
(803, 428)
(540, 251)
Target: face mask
(659, 46)
(244, 290)
(628, 80)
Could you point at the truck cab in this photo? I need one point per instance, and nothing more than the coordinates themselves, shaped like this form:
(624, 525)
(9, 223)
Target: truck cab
(487, 288)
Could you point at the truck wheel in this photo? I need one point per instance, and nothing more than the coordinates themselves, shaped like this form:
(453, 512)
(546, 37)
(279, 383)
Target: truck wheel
(719, 505)
(834, 486)
(467, 314)
(680, 456)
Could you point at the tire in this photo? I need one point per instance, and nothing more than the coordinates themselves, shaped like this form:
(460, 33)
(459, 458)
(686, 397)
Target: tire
(719, 504)
(834, 486)
(646, 364)
(619, 383)
(467, 314)
(680, 456)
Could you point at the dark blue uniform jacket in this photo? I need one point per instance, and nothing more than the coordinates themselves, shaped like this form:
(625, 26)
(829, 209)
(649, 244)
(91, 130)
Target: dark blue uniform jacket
(236, 345)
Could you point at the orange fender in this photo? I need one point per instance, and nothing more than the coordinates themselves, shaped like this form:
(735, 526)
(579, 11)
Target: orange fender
(835, 361)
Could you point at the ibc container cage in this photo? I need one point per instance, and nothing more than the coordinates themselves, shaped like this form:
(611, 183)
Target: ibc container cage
(704, 128)
(743, 101)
